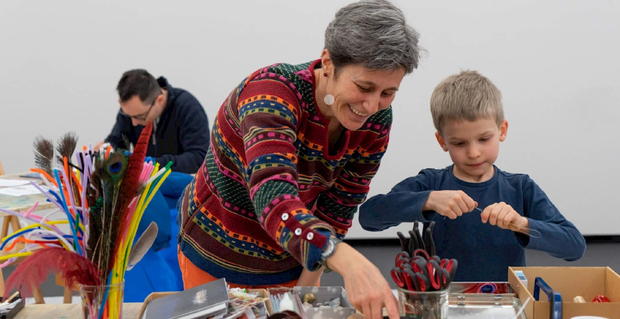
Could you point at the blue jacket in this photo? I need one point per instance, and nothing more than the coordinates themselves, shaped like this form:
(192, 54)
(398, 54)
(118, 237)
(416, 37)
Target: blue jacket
(181, 134)
(484, 252)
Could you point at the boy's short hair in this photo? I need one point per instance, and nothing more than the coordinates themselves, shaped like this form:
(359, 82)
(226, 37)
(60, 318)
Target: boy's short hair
(466, 96)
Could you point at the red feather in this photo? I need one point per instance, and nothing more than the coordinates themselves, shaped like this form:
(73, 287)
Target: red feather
(74, 269)
(134, 168)
(130, 180)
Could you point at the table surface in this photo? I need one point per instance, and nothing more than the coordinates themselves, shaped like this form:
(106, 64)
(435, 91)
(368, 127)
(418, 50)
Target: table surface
(23, 203)
(68, 311)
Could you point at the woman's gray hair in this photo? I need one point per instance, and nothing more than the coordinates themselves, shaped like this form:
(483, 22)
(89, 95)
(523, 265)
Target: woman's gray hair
(373, 34)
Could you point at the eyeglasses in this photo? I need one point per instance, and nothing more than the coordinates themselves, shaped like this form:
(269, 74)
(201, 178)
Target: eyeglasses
(140, 117)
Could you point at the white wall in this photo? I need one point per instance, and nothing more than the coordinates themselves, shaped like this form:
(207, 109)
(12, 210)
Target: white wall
(556, 63)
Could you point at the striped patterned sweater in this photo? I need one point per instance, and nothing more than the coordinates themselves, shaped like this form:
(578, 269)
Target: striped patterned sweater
(269, 193)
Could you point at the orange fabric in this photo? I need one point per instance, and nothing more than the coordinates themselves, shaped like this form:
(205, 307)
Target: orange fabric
(194, 276)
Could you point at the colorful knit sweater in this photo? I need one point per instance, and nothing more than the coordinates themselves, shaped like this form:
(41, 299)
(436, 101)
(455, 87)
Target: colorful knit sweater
(269, 193)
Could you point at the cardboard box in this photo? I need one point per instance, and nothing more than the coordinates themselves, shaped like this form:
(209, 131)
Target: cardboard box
(155, 295)
(587, 282)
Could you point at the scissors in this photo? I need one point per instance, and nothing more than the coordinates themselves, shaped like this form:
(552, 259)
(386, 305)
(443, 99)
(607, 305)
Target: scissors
(417, 265)
(430, 273)
(402, 258)
(414, 241)
(404, 242)
(419, 239)
(449, 266)
(436, 274)
(427, 237)
(405, 278)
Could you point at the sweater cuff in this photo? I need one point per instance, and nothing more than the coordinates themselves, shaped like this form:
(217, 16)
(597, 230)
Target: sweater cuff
(299, 232)
(313, 261)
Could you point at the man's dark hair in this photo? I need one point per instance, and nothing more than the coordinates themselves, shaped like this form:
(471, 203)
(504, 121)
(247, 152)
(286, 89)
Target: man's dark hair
(138, 82)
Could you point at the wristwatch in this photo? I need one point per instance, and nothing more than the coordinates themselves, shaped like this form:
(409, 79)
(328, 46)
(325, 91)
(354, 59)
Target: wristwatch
(328, 251)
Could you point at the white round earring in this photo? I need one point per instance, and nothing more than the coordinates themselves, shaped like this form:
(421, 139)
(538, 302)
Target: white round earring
(329, 99)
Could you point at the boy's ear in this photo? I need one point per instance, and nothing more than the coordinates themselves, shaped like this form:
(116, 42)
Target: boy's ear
(441, 142)
(503, 130)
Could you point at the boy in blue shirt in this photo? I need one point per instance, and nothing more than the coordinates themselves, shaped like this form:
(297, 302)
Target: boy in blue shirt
(468, 115)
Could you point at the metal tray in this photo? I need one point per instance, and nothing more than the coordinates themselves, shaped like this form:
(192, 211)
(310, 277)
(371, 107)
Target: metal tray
(484, 307)
(323, 294)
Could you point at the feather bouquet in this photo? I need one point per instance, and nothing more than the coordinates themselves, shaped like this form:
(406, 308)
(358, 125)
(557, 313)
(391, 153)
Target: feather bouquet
(102, 197)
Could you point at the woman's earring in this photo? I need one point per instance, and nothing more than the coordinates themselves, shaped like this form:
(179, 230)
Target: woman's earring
(328, 99)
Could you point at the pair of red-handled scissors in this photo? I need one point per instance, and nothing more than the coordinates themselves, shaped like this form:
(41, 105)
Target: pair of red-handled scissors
(436, 275)
(450, 266)
(408, 276)
(402, 258)
(405, 278)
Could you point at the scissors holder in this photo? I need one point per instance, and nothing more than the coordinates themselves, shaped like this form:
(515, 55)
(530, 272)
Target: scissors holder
(423, 304)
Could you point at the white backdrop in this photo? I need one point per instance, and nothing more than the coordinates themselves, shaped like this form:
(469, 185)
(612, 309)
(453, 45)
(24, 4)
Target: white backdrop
(556, 63)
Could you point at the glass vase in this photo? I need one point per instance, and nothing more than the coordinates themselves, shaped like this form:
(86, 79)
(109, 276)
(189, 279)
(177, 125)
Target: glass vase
(103, 301)
(423, 305)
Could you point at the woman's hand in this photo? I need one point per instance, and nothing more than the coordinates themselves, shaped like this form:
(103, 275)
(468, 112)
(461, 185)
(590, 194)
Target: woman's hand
(367, 289)
(309, 278)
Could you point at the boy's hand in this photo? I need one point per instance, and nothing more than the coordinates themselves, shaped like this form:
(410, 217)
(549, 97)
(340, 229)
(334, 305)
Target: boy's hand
(504, 216)
(451, 204)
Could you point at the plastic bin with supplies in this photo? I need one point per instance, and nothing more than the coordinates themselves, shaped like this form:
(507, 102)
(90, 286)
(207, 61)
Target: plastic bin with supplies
(324, 295)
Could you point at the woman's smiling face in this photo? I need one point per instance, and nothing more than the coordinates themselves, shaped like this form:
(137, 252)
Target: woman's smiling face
(358, 93)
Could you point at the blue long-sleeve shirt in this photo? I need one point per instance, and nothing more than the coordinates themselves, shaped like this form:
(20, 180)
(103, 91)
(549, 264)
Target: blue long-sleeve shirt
(484, 252)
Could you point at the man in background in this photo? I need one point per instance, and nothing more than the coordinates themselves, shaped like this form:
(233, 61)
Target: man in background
(180, 124)
(181, 135)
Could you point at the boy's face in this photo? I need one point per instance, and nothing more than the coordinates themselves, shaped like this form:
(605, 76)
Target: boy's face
(473, 147)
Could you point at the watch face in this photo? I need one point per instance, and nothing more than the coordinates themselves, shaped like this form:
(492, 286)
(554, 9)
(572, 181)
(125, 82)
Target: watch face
(329, 247)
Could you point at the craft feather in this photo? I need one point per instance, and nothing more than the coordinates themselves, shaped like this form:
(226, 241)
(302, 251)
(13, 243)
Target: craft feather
(94, 198)
(73, 269)
(134, 170)
(115, 181)
(64, 149)
(43, 154)
(129, 187)
(66, 146)
(106, 219)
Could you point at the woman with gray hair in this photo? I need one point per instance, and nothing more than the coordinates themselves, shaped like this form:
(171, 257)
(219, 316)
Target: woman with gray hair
(293, 150)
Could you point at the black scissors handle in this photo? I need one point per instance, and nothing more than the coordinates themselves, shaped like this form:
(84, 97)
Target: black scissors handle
(411, 281)
(450, 265)
(397, 276)
(435, 275)
(427, 234)
(404, 242)
(419, 238)
(413, 242)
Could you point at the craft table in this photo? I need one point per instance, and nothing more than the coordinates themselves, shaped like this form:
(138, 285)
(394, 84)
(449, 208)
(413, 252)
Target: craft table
(23, 203)
(68, 311)
(19, 204)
